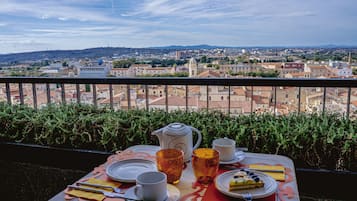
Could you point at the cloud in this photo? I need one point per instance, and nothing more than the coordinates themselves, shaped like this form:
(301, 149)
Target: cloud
(213, 9)
(63, 18)
(83, 32)
(52, 9)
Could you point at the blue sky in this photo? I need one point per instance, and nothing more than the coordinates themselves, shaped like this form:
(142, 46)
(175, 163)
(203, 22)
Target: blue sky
(29, 25)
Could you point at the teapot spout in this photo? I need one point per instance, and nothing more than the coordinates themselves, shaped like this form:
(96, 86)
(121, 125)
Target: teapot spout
(159, 134)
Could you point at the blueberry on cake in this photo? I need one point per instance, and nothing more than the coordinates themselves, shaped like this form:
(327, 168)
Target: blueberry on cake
(244, 179)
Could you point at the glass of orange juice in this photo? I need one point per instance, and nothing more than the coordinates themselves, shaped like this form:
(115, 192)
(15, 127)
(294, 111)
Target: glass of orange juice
(205, 162)
(170, 162)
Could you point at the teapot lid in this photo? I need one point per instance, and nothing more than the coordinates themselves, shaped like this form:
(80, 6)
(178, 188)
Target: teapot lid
(177, 129)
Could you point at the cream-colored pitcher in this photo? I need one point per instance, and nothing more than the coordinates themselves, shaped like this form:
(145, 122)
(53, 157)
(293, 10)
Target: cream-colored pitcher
(178, 136)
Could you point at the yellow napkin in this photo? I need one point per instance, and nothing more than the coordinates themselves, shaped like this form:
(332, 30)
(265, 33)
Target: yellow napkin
(279, 176)
(93, 196)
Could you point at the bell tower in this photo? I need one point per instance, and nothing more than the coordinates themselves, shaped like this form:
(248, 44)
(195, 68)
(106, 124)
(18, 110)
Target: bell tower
(192, 67)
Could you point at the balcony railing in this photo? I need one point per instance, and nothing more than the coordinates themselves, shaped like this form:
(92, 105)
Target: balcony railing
(322, 88)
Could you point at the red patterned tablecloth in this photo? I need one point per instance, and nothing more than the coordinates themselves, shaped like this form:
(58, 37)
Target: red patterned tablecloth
(191, 190)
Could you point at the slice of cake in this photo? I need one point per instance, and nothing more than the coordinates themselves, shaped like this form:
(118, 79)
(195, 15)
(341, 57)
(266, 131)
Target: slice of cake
(245, 179)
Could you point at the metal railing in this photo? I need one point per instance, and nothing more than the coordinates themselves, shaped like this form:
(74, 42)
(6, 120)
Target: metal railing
(348, 84)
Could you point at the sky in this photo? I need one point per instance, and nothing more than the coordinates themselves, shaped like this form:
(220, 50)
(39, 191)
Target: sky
(33, 25)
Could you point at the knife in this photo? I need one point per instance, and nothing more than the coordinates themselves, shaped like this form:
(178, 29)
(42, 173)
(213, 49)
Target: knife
(265, 170)
(105, 193)
(115, 189)
(233, 167)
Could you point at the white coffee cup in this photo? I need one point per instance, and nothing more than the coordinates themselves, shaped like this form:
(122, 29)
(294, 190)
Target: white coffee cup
(151, 186)
(226, 148)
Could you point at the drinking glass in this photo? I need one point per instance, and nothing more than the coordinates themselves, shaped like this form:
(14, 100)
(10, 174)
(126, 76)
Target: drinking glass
(205, 162)
(170, 162)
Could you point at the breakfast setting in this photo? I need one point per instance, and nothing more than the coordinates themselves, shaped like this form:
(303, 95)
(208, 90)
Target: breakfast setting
(179, 169)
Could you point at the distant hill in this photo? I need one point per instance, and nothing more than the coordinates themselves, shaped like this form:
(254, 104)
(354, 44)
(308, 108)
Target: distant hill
(204, 46)
(119, 51)
(188, 47)
(77, 54)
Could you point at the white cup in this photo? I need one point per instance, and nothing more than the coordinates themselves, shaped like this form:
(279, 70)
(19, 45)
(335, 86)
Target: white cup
(226, 148)
(151, 186)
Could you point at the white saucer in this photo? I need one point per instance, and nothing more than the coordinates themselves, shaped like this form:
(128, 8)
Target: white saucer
(128, 170)
(239, 156)
(173, 193)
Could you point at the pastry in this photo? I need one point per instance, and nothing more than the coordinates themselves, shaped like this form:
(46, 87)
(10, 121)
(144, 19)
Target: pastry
(244, 179)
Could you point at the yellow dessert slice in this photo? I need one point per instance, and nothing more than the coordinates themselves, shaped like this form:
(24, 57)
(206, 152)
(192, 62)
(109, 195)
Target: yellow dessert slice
(245, 180)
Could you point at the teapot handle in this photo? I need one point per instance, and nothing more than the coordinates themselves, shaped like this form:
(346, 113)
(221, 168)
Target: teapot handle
(199, 137)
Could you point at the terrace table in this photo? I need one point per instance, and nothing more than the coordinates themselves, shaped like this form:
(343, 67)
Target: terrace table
(189, 189)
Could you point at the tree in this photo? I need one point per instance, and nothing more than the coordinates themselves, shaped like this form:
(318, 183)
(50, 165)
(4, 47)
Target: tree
(122, 63)
(354, 71)
(203, 59)
(216, 66)
(87, 86)
(65, 64)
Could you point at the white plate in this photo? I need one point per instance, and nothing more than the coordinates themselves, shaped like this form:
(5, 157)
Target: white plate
(239, 156)
(151, 149)
(172, 191)
(222, 184)
(128, 170)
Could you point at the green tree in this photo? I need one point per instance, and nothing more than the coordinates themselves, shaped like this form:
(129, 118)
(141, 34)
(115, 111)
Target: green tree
(216, 66)
(87, 87)
(122, 63)
(65, 64)
(203, 59)
(354, 71)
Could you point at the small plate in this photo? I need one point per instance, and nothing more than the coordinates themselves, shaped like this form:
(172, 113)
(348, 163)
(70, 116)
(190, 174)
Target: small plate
(128, 170)
(222, 184)
(151, 149)
(239, 156)
(172, 191)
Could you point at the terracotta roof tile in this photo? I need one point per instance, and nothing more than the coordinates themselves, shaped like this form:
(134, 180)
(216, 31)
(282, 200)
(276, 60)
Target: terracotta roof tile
(209, 73)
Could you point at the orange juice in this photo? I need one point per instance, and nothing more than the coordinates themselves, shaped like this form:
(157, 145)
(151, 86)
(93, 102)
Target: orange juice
(170, 162)
(205, 162)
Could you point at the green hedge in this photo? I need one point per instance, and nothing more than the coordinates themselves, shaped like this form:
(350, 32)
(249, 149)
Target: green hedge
(311, 140)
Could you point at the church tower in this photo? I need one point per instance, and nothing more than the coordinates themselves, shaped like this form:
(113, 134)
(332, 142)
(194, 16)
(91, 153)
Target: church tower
(192, 67)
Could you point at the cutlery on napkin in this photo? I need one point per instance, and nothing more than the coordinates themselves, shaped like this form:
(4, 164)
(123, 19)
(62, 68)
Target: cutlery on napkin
(74, 190)
(102, 192)
(275, 171)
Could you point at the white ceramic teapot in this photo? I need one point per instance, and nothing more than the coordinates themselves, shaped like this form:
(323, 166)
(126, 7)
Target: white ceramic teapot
(178, 136)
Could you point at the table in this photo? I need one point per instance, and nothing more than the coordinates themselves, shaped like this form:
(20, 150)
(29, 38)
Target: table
(189, 189)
